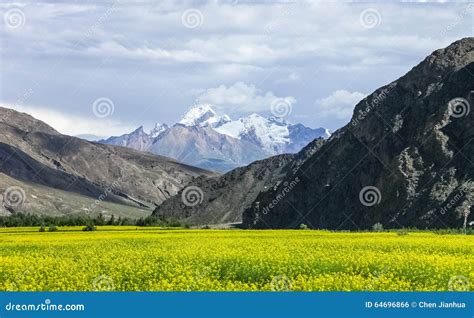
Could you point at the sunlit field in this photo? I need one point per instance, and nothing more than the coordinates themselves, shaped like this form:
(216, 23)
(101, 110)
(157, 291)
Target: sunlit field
(154, 259)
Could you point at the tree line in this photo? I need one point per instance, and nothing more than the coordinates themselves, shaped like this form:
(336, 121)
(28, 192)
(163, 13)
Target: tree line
(20, 219)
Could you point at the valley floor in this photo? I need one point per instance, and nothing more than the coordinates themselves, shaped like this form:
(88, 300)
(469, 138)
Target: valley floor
(154, 259)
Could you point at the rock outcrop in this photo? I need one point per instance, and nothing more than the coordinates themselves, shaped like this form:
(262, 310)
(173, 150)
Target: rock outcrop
(405, 159)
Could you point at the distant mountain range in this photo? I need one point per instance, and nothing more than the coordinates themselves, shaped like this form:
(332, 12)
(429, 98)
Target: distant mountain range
(216, 142)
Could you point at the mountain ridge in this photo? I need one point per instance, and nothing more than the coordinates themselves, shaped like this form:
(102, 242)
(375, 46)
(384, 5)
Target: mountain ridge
(223, 199)
(32, 153)
(228, 140)
(400, 160)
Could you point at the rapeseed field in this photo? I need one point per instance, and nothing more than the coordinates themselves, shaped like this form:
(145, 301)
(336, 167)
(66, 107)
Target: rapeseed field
(154, 259)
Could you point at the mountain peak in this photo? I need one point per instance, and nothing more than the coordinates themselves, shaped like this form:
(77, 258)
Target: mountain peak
(455, 53)
(197, 114)
(273, 135)
(157, 130)
(260, 136)
(139, 130)
(24, 121)
(203, 115)
(407, 170)
(451, 58)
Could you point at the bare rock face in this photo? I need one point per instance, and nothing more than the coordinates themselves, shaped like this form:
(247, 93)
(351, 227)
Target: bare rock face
(204, 147)
(405, 159)
(223, 199)
(35, 156)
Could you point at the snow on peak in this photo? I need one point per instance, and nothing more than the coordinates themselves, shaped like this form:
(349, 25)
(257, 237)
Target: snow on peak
(203, 115)
(271, 135)
(327, 133)
(158, 129)
(279, 121)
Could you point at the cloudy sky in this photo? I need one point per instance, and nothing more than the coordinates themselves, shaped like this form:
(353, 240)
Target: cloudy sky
(105, 69)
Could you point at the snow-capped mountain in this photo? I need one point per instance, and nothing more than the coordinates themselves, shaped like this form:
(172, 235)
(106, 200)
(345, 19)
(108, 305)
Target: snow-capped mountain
(208, 140)
(158, 129)
(274, 135)
(203, 116)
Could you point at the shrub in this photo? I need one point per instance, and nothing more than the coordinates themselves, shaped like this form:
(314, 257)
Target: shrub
(377, 227)
(453, 231)
(89, 228)
(42, 229)
(52, 228)
(303, 226)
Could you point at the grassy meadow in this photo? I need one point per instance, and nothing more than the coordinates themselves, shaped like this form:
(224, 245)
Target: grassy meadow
(156, 259)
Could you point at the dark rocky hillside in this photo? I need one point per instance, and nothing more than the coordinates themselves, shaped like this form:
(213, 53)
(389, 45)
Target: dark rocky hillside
(223, 199)
(405, 159)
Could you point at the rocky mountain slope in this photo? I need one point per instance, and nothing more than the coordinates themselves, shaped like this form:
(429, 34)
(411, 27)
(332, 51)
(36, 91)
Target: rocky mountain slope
(137, 139)
(205, 139)
(204, 147)
(405, 159)
(223, 199)
(58, 168)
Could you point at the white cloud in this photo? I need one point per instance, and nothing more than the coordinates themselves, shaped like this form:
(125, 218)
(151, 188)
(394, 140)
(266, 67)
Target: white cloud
(339, 104)
(293, 76)
(140, 52)
(74, 125)
(290, 77)
(240, 97)
(114, 49)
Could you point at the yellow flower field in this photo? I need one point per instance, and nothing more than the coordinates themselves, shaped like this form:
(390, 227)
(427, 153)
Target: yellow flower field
(153, 259)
